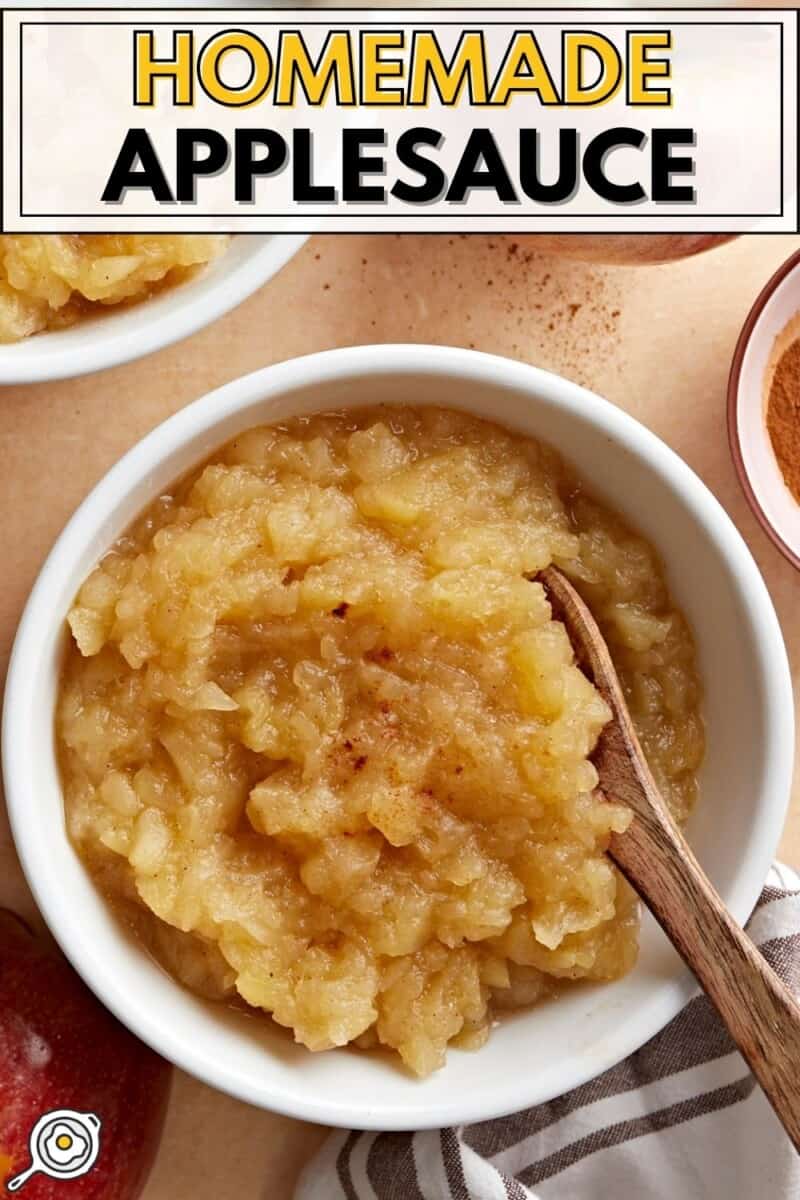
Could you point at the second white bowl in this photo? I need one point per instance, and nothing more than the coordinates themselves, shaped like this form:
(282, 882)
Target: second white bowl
(131, 331)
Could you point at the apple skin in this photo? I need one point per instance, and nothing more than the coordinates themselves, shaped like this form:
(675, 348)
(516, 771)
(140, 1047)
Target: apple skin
(630, 249)
(59, 1048)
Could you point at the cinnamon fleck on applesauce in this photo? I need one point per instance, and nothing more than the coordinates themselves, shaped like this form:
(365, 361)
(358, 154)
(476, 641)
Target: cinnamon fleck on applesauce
(320, 734)
(51, 281)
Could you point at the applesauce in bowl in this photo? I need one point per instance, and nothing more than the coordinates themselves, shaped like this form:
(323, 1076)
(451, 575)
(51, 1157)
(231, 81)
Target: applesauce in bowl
(323, 744)
(53, 281)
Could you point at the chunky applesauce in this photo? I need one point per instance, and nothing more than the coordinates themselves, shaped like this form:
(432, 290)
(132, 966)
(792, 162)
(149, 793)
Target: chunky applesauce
(321, 737)
(50, 281)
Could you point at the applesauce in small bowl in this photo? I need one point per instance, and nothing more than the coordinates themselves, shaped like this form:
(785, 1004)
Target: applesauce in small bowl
(71, 304)
(319, 722)
(53, 281)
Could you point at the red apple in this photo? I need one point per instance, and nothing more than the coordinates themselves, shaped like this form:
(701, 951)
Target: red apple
(60, 1049)
(625, 248)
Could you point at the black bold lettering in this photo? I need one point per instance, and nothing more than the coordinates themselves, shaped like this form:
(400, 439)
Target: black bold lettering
(189, 168)
(434, 178)
(355, 164)
(567, 179)
(665, 164)
(247, 166)
(137, 147)
(594, 164)
(305, 191)
(481, 146)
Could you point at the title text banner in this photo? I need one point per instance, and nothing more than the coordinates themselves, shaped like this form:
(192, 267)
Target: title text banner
(456, 120)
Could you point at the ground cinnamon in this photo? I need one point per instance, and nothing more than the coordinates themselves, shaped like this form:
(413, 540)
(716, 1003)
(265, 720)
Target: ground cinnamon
(783, 416)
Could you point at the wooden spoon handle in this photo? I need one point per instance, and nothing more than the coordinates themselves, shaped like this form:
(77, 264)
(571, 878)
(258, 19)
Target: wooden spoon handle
(761, 1014)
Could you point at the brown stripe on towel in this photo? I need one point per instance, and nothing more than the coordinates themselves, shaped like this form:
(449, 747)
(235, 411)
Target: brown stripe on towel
(514, 1190)
(694, 1037)
(453, 1166)
(390, 1161)
(626, 1131)
(783, 955)
(770, 894)
(343, 1165)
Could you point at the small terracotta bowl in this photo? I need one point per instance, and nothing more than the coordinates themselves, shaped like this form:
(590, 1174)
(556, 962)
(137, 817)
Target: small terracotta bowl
(772, 324)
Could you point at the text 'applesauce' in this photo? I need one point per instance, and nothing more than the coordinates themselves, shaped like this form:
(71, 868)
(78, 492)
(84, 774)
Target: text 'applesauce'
(322, 741)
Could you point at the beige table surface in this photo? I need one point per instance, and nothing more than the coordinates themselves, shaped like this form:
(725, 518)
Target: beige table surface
(657, 341)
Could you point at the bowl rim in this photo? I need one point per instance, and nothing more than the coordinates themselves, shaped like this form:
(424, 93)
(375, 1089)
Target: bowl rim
(113, 346)
(211, 411)
(733, 400)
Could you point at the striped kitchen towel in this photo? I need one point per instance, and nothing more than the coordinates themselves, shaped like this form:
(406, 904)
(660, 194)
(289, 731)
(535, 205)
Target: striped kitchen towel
(682, 1119)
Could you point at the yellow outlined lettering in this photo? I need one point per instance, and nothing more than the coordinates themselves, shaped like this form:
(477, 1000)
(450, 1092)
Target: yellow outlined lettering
(467, 65)
(642, 68)
(148, 68)
(524, 70)
(576, 46)
(334, 65)
(211, 56)
(375, 68)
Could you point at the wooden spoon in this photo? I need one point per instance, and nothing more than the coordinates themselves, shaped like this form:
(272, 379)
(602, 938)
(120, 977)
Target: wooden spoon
(760, 1013)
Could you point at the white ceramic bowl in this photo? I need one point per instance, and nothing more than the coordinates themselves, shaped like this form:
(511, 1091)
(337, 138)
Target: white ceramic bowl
(532, 1056)
(125, 333)
(773, 321)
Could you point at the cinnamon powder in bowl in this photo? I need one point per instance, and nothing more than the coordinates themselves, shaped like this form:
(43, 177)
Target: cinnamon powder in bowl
(783, 411)
(764, 409)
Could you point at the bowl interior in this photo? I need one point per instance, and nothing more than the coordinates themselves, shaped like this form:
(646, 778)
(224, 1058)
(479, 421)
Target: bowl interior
(532, 1056)
(126, 332)
(777, 322)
